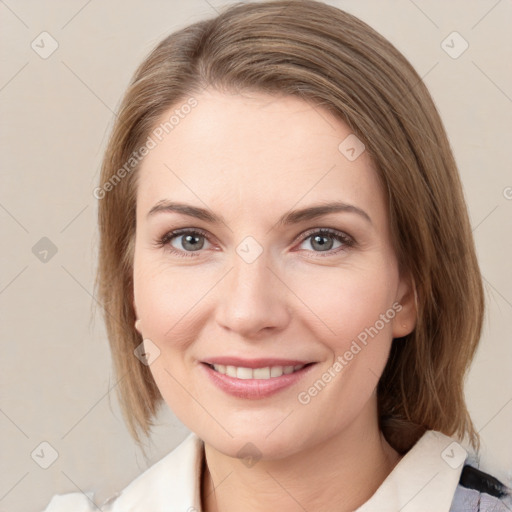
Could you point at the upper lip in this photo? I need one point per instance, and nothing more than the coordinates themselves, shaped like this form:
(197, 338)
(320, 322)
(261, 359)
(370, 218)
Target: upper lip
(254, 363)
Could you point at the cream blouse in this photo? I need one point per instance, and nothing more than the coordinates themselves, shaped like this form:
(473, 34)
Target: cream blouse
(425, 480)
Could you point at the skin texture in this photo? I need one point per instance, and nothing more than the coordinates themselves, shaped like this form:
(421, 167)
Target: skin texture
(251, 158)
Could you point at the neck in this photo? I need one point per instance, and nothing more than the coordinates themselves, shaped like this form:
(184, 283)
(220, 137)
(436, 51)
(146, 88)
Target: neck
(336, 474)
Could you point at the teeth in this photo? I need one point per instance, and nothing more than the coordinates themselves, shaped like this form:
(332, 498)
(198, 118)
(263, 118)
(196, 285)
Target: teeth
(260, 373)
(243, 373)
(256, 373)
(276, 371)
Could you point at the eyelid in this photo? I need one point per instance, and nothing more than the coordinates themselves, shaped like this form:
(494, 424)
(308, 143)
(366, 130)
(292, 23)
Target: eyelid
(325, 230)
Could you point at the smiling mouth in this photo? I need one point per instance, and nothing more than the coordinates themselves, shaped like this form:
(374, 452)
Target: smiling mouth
(265, 373)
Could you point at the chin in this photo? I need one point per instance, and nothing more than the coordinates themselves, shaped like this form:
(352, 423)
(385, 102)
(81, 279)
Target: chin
(257, 440)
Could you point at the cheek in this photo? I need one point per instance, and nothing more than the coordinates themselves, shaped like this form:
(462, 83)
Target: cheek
(173, 306)
(340, 304)
(354, 311)
(168, 301)
(166, 298)
(347, 301)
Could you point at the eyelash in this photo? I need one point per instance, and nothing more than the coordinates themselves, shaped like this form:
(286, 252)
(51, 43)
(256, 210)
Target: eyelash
(164, 241)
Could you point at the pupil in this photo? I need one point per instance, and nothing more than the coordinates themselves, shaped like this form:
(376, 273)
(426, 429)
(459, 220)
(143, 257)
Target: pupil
(324, 246)
(193, 245)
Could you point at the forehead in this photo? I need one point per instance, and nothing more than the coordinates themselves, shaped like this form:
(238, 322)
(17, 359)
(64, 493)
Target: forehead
(257, 153)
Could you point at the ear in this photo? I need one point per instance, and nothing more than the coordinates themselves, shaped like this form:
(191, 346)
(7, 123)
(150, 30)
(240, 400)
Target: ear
(137, 320)
(405, 318)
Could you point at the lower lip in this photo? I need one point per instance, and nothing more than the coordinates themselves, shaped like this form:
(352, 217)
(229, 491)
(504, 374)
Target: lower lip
(254, 388)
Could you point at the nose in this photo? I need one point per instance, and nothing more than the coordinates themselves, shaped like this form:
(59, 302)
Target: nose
(253, 299)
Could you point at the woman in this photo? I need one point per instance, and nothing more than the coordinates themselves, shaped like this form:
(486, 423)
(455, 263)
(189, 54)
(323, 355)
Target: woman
(286, 261)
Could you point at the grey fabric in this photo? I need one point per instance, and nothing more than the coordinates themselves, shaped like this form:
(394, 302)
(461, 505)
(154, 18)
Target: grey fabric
(470, 500)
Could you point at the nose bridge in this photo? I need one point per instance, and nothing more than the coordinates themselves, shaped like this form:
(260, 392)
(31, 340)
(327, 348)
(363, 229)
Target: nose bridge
(252, 298)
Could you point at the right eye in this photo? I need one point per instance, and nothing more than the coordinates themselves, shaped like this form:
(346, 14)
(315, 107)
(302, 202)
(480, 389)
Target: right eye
(183, 242)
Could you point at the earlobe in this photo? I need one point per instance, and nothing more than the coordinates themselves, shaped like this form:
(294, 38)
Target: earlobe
(137, 320)
(405, 319)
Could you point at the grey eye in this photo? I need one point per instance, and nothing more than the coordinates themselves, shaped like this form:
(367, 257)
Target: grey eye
(190, 242)
(322, 242)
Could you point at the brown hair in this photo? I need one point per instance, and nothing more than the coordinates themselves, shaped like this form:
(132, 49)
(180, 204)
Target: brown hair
(321, 54)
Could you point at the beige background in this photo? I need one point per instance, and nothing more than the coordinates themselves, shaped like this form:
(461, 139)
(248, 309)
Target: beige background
(56, 380)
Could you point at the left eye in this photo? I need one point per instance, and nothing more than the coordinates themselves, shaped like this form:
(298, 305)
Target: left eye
(323, 240)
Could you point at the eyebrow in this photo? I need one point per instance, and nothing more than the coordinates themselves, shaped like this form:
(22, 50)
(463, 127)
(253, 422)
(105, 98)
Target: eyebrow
(292, 217)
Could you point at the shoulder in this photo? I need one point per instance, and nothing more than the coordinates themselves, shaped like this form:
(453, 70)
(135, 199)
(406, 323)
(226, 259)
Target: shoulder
(76, 501)
(479, 491)
(172, 481)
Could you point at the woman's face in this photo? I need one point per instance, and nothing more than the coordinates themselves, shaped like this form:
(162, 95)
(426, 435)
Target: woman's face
(254, 283)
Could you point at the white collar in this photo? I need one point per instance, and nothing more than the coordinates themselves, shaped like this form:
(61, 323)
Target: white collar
(170, 485)
(424, 479)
